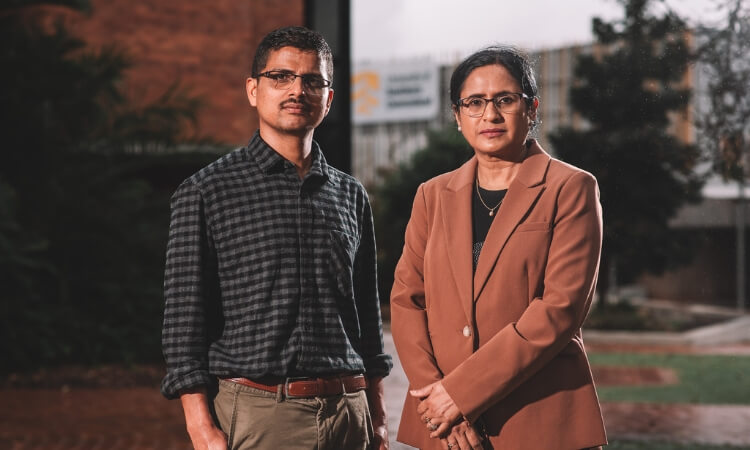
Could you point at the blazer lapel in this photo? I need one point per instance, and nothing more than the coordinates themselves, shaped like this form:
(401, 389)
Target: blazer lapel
(456, 215)
(522, 194)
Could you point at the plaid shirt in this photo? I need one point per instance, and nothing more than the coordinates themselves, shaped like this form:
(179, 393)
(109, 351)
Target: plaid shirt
(270, 275)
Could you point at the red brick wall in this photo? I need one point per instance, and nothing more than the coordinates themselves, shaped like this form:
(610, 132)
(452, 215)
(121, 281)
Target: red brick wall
(208, 46)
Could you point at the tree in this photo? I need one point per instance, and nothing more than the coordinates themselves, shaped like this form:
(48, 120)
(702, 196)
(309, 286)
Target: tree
(725, 121)
(627, 95)
(446, 150)
(83, 220)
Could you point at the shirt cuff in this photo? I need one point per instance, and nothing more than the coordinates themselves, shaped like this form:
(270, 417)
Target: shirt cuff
(173, 383)
(378, 366)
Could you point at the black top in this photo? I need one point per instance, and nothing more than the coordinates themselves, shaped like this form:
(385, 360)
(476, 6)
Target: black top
(480, 216)
(268, 274)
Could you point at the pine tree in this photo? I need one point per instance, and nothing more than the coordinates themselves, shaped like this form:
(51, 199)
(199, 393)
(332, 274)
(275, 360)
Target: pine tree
(627, 93)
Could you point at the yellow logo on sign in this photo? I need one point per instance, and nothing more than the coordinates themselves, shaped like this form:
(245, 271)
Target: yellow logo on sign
(363, 86)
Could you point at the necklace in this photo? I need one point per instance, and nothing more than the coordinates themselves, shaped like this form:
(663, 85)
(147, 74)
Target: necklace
(492, 210)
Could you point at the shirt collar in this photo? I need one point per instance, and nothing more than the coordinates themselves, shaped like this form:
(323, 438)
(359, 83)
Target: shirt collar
(270, 161)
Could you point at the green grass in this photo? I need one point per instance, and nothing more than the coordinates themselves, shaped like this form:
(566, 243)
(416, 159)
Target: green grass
(708, 379)
(650, 445)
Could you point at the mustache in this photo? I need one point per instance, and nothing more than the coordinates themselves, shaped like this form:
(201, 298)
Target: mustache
(295, 101)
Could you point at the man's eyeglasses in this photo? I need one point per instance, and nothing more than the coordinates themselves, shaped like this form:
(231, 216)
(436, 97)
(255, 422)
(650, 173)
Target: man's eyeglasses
(313, 84)
(505, 103)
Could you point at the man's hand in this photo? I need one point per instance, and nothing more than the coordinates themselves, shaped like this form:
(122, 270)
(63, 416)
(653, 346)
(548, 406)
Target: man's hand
(380, 439)
(208, 438)
(376, 403)
(204, 433)
(437, 409)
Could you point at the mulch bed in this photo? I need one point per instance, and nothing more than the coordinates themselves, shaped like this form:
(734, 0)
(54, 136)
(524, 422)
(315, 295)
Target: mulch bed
(106, 376)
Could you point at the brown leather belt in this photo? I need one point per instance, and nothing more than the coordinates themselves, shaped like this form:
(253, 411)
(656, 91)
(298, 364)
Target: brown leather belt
(309, 387)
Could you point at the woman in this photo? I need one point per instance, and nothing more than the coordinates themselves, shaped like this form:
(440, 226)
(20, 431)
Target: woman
(496, 277)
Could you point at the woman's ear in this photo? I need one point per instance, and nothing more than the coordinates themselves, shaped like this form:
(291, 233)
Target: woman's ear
(534, 107)
(531, 113)
(458, 120)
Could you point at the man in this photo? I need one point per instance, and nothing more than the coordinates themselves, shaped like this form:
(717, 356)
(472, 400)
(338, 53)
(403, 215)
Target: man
(270, 278)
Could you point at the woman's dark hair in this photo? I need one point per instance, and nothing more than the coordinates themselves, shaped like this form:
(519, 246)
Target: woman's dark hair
(298, 37)
(514, 60)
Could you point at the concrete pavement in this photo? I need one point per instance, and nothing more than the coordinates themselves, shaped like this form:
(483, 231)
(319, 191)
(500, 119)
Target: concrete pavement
(396, 386)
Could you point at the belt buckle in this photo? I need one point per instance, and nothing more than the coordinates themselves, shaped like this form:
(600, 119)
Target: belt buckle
(289, 380)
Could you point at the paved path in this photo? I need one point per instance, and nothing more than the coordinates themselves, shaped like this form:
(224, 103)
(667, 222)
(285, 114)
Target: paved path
(139, 418)
(396, 386)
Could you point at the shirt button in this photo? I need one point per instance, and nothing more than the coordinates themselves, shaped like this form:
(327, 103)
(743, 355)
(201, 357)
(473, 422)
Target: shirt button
(467, 331)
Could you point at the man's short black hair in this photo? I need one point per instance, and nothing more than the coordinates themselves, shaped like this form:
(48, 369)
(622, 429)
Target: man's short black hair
(298, 37)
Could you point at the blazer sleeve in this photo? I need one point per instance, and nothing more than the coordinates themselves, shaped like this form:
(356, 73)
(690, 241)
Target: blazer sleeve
(550, 322)
(408, 314)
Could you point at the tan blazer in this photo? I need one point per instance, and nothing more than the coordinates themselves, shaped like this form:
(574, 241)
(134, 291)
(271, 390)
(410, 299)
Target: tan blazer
(506, 341)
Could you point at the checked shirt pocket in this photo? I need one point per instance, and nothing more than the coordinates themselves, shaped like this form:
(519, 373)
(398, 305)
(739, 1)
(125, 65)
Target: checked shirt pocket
(343, 250)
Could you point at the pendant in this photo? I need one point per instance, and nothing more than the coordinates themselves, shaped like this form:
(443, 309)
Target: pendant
(492, 212)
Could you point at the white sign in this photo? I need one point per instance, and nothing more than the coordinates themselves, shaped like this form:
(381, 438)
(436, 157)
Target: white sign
(395, 93)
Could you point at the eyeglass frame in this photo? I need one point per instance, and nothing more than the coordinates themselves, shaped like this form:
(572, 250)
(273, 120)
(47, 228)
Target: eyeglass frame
(459, 104)
(305, 80)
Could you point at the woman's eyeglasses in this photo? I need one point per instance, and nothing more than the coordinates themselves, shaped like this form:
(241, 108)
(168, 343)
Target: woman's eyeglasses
(509, 103)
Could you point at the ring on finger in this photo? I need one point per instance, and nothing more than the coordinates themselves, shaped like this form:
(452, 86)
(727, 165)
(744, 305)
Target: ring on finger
(433, 426)
(451, 445)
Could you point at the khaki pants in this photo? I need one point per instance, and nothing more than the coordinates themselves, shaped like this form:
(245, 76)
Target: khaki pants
(257, 419)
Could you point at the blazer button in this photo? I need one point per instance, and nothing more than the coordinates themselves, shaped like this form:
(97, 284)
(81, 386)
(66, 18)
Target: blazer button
(467, 331)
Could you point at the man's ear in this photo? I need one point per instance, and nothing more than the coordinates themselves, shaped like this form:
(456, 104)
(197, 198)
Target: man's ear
(251, 86)
(329, 100)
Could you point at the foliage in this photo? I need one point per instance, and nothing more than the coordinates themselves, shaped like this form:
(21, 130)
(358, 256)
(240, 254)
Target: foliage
(625, 315)
(83, 219)
(622, 315)
(446, 150)
(627, 95)
(725, 121)
(707, 379)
